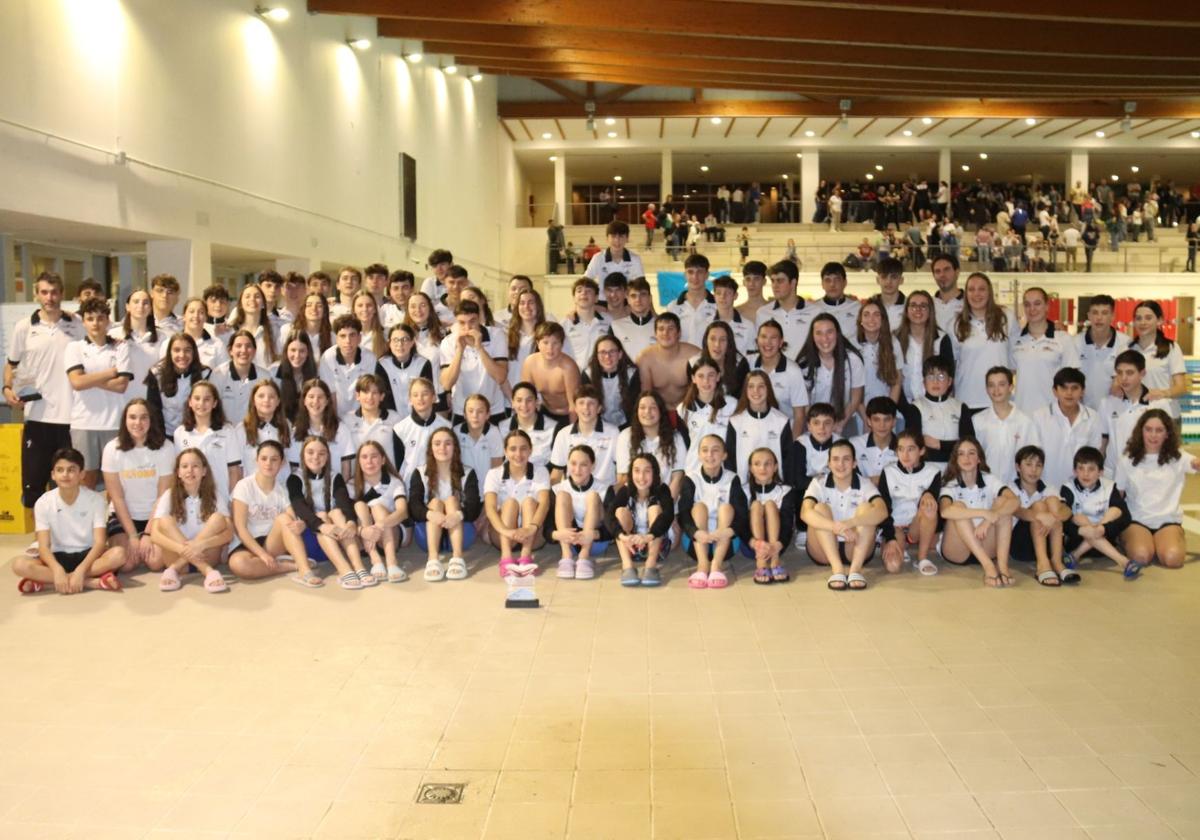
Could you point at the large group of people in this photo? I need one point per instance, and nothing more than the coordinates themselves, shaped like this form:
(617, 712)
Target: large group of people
(315, 427)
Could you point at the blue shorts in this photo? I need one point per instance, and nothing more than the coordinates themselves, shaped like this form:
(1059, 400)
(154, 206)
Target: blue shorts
(422, 537)
(688, 546)
(316, 554)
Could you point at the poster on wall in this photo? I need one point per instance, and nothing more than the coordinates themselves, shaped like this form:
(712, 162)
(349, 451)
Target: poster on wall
(408, 197)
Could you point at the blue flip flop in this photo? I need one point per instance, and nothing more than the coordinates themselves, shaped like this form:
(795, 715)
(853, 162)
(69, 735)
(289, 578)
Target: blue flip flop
(1132, 569)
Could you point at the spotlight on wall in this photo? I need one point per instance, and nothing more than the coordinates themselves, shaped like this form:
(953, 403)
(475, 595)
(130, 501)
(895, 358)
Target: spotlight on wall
(799, 154)
(926, 120)
(414, 58)
(983, 155)
(278, 14)
(1030, 121)
(359, 44)
(476, 77)
(715, 120)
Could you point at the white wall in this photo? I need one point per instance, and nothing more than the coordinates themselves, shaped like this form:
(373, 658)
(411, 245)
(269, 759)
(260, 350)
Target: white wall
(293, 138)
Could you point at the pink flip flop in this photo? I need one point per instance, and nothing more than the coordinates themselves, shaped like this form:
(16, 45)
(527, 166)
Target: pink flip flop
(717, 580)
(169, 581)
(698, 580)
(214, 582)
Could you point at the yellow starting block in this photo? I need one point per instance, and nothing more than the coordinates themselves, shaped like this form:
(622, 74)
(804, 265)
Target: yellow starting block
(14, 518)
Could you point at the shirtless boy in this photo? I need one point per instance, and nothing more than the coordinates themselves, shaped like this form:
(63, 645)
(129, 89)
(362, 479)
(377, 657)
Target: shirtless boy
(553, 373)
(663, 366)
(754, 277)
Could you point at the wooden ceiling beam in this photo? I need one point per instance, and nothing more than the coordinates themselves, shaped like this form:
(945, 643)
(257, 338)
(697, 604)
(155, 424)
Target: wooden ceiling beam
(1066, 127)
(559, 88)
(864, 107)
(616, 93)
(880, 56)
(1084, 37)
(763, 127)
(967, 127)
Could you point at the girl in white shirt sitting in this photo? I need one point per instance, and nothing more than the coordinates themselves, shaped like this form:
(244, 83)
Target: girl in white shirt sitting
(320, 500)
(204, 428)
(978, 511)
(261, 512)
(191, 524)
(381, 504)
(579, 514)
(910, 490)
(842, 510)
(640, 513)
(317, 416)
(443, 496)
(772, 516)
(712, 514)
(137, 467)
(1151, 473)
(517, 521)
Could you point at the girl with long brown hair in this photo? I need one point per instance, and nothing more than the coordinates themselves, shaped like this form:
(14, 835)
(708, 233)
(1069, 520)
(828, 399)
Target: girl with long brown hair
(444, 503)
(617, 379)
(983, 335)
(883, 363)
(529, 315)
(381, 504)
(650, 432)
(137, 467)
(318, 416)
(978, 510)
(191, 524)
(313, 321)
(252, 316)
(264, 420)
(833, 372)
(920, 337)
(170, 382)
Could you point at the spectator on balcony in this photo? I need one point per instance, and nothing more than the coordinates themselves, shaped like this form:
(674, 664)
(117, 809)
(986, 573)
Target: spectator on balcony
(1193, 242)
(753, 200)
(821, 212)
(590, 250)
(1091, 241)
(723, 197)
(738, 199)
(1150, 215)
(711, 226)
(943, 199)
(555, 245)
(1070, 239)
(835, 209)
(650, 219)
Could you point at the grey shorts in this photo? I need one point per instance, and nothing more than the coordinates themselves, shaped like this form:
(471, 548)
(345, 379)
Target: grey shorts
(91, 443)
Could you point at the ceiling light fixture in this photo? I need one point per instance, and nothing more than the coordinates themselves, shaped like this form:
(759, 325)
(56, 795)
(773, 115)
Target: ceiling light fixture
(811, 133)
(907, 132)
(1114, 177)
(983, 155)
(704, 167)
(275, 13)
(799, 154)
(617, 178)
(1196, 135)
(1135, 169)
(926, 120)
(359, 44)
(546, 135)
(609, 121)
(715, 120)
(450, 69)
(414, 58)
(1100, 134)
(870, 176)
(611, 135)
(785, 176)
(966, 168)
(1030, 121)
(476, 77)
(879, 167)
(553, 158)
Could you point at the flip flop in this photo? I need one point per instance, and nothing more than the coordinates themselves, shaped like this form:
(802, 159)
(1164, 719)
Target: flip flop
(27, 587)
(366, 578)
(993, 581)
(214, 582)
(651, 577)
(762, 576)
(629, 577)
(169, 581)
(435, 571)
(456, 569)
(505, 562)
(1049, 578)
(1070, 576)
(779, 574)
(698, 580)
(309, 580)
(1132, 569)
(109, 581)
(717, 580)
(396, 575)
(927, 567)
(856, 577)
(836, 582)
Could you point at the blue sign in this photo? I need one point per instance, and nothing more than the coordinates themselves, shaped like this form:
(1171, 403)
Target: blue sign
(671, 284)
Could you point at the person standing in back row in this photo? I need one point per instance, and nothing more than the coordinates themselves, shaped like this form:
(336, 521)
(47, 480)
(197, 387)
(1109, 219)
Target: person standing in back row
(35, 368)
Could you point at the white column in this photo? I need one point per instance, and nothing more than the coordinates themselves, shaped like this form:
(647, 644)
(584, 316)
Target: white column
(810, 179)
(944, 173)
(1077, 169)
(666, 184)
(126, 275)
(562, 190)
(188, 260)
(25, 260)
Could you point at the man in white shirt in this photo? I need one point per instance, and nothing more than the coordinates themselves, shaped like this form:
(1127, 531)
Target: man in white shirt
(1064, 426)
(836, 302)
(35, 368)
(636, 330)
(1098, 347)
(788, 309)
(616, 258)
(471, 362)
(586, 324)
(343, 363)
(696, 307)
(725, 290)
(439, 262)
(948, 301)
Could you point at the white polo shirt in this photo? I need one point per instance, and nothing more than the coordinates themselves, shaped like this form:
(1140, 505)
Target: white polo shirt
(399, 376)
(1061, 439)
(945, 313)
(815, 453)
(139, 470)
(72, 527)
(845, 310)
(650, 446)
(261, 508)
(745, 333)
(871, 458)
(822, 380)
(340, 374)
(602, 440)
(873, 386)
(1098, 363)
(219, 450)
(192, 524)
(541, 435)
(341, 448)
(143, 354)
(902, 489)
(473, 377)
(895, 311)
(751, 430)
(414, 434)
(235, 390)
(635, 333)
(1028, 499)
(380, 430)
(37, 350)
(1153, 492)
(694, 320)
(478, 454)
(787, 381)
(505, 485)
(211, 350)
(1093, 502)
(97, 408)
(795, 323)
(1159, 371)
(842, 503)
(579, 495)
(582, 336)
(1036, 360)
(1001, 439)
(980, 495)
(604, 263)
(1118, 416)
(699, 422)
(245, 453)
(976, 356)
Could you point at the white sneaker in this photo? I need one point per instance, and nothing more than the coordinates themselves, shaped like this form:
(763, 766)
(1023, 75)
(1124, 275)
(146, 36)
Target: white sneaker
(457, 569)
(801, 540)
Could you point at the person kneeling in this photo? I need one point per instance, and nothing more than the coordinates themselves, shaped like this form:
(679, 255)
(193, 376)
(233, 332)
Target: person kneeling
(712, 512)
(71, 524)
(842, 511)
(579, 514)
(978, 510)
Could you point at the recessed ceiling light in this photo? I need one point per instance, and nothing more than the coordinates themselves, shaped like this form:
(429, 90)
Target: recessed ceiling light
(1196, 135)
(879, 167)
(983, 155)
(1114, 177)
(785, 176)
(414, 58)
(359, 44)
(870, 176)
(450, 69)
(715, 120)
(1030, 121)
(609, 121)
(476, 77)
(1135, 169)
(927, 120)
(546, 135)
(612, 134)
(1100, 134)
(553, 158)
(616, 177)
(810, 133)
(704, 167)
(966, 168)
(907, 132)
(276, 13)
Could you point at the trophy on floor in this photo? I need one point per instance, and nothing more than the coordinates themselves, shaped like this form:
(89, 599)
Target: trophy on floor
(522, 587)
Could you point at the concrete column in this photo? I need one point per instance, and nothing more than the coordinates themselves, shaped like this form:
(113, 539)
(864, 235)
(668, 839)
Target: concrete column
(944, 173)
(300, 265)
(562, 190)
(25, 255)
(666, 185)
(810, 179)
(188, 260)
(127, 275)
(1077, 169)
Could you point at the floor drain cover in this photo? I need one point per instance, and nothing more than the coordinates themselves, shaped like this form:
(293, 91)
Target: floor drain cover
(440, 794)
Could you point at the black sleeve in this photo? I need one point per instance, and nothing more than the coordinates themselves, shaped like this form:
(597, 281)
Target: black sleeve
(341, 498)
(888, 528)
(397, 450)
(614, 500)
(683, 430)
(472, 504)
(946, 352)
(416, 497)
(741, 510)
(787, 517)
(788, 451)
(389, 399)
(912, 419)
(660, 526)
(731, 437)
(1116, 500)
(966, 424)
(687, 495)
(300, 505)
(1068, 495)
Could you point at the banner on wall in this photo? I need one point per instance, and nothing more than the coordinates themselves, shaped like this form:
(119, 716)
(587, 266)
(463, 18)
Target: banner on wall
(671, 284)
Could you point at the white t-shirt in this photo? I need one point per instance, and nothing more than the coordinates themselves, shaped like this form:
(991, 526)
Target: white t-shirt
(139, 470)
(606, 262)
(1118, 416)
(976, 356)
(235, 390)
(1153, 492)
(822, 383)
(602, 440)
(1159, 371)
(635, 333)
(699, 422)
(694, 320)
(341, 376)
(978, 496)
(478, 454)
(579, 495)
(72, 527)
(246, 453)
(795, 323)
(499, 480)
(261, 508)
(219, 450)
(787, 381)
(1060, 439)
(192, 523)
(97, 408)
(143, 355)
(1036, 360)
(1001, 439)
(842, 503)
(582, 337)
(473, 377)
(1097, 363)
(844, 310)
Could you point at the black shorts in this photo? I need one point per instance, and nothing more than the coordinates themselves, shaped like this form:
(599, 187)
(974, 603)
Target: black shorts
(1154, 531)
(1112, 531)
(70, 560)
(114, 526)
(557, 419)
(841, 553)
(1022, 543)
(39, 442)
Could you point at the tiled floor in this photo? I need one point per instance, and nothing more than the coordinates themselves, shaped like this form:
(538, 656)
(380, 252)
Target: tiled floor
(926, 708)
